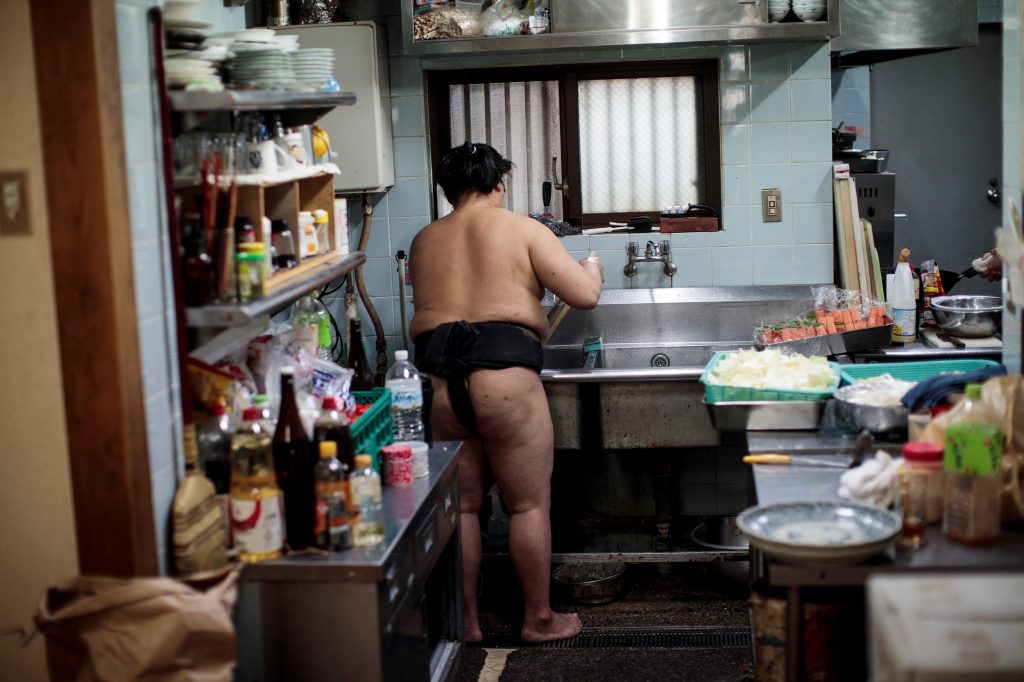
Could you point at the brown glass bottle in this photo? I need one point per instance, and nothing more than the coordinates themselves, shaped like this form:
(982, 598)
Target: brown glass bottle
(332, 426)
(357, 362)
(294, 463)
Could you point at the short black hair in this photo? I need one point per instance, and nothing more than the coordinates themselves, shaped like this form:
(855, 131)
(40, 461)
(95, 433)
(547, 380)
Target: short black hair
(471, 166)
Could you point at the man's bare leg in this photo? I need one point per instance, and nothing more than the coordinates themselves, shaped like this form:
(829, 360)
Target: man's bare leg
(514, 423)
(471, 474)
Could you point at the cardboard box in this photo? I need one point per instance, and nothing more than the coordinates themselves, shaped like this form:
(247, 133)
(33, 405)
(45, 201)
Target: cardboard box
(946, 627)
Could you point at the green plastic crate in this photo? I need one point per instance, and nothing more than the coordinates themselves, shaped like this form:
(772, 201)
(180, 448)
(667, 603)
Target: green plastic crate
(911, 371)
(717, 393)
(373, 429)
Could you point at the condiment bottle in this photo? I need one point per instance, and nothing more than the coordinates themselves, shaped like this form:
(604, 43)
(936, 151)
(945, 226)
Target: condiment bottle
(903, 302)
(200, 271)
(322, 222)
(294, 462)
(257, 520)
(332, 530)
(333, 426)
(369, 530)
(357, 362)
(198, 526)
(925, 476)
(973, 455)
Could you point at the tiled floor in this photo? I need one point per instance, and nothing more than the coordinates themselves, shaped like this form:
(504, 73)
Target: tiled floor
(654, 596)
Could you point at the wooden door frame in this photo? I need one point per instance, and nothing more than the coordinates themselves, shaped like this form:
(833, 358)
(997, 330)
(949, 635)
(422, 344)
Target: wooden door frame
(78, 82)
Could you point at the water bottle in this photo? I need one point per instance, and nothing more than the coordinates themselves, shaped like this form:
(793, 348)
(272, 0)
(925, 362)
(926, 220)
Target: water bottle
(406, 398)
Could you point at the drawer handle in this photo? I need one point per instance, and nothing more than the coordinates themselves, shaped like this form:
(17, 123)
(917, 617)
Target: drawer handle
(428, 544)
(390, 573)
(393, 594)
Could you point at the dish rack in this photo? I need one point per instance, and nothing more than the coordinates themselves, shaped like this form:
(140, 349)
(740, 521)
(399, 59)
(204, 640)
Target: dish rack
(373, 429)
(910, 371)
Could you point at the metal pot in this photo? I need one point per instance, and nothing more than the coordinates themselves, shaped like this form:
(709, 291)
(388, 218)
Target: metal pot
(863, 160)
(968, 316)
(591, 583)
(723, 533)
(874, 418)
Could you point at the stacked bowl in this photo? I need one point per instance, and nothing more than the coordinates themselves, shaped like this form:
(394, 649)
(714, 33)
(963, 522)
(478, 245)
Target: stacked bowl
(313, 67)
(777, 10)
(810, 10)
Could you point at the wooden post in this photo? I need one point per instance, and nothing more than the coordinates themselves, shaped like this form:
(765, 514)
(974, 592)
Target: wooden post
(78, 80)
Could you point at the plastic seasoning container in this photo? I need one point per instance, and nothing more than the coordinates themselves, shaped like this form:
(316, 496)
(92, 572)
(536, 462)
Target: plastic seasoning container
(972, 461)
(397, 464)
(322, 223)
(420, 457)
(926, 476)
(251, 262)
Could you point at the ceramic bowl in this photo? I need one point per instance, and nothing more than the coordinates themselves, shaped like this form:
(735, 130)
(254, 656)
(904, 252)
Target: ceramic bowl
(809, 11)
(820, 533)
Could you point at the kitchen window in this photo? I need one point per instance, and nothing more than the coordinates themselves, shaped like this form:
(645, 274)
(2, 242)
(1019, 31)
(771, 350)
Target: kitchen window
(627, 139)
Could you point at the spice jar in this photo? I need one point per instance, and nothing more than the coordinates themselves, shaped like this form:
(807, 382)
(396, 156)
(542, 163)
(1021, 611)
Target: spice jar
(925, 476)
(252, 273)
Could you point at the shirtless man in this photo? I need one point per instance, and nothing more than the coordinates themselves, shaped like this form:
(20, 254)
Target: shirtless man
(483, 264)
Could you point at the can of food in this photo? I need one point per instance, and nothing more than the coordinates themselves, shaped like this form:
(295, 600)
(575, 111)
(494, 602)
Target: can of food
(397, 464)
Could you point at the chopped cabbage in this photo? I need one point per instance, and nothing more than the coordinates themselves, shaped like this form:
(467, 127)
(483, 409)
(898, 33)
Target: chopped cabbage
(772, 368)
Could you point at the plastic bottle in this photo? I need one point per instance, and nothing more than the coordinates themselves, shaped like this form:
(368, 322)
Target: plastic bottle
(332, 530)
(197, 522)
(972, 460)
(322, 222)
(332, 426)
(262, 403)
(312, 325)
(901, 299)
(369, 529)
(257, 507)
(215, 448)
(357, 362)
(406, 398)
(294, 460)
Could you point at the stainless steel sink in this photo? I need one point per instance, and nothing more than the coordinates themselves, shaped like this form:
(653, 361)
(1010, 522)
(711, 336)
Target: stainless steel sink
(640, 390)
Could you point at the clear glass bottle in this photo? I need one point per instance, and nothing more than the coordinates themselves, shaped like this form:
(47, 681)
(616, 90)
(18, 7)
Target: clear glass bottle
(406, 388)
(357, 362)
(257, 507)
(332, 527)
(333, 426)
(369, 529)
(973, 456)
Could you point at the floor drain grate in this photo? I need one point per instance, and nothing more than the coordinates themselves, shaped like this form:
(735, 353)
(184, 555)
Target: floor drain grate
(503, 636)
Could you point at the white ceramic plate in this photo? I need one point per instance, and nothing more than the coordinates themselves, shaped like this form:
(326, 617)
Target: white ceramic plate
(186, 24)
(820, 533)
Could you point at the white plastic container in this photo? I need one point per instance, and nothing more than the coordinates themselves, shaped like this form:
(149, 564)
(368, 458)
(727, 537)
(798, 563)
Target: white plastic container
(901, 299)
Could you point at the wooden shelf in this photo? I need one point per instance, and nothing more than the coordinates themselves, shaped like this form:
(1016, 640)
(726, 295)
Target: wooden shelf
(285, 287)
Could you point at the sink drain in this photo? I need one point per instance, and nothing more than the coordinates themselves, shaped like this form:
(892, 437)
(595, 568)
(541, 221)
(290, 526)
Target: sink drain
(660, 360)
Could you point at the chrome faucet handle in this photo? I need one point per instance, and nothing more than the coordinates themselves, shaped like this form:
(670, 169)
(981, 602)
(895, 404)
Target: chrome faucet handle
(632, 249)
(652, 250)
(666, 247)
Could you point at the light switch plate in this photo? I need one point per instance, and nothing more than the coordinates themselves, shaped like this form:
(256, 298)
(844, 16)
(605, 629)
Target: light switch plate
(14, 203)
(771, 205)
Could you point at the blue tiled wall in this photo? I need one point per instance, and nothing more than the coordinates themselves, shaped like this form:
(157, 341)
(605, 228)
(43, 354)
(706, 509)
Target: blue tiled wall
(1013, 67)
(776, 113)
(154, 293)
(851, 101)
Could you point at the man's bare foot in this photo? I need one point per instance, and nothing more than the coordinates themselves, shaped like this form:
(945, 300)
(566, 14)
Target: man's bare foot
(560, 626)
(474, 635)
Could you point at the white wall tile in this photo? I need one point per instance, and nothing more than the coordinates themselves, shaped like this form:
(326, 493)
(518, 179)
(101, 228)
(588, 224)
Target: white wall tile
(407, 117)
(769, 143)
(811, 183)
(735, 103)
(690, 240)
(403, 230)
(408, 198)
(771, 176)
(769, 62)
(731, 266)
(378, 275)
(809, 61)
(812, 223)
(149, 289)
(410, 156)
(694, 267)
(614, 262)
(735, 145)
(769, 101)
(734, 64)
(773, 264)
(762, 233)
(810, 141)
(815, 264)
(735, 185)
(812, 100)
(736, 220)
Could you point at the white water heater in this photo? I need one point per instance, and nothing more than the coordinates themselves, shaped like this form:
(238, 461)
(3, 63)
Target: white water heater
(361, 133)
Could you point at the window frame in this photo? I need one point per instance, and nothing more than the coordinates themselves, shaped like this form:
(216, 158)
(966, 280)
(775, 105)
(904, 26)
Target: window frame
(704, 71)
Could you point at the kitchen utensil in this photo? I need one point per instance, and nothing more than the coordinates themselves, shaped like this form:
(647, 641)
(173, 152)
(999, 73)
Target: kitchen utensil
(555, 317)
(951, 278)
(842, 139)
(865, 441)
(618, 227)
(497, 522)
(591, 583)
(794, 460)
(722, 534)
(863, 160)
(874, 418)
(820, 533)
(545, 190)
(968, 316)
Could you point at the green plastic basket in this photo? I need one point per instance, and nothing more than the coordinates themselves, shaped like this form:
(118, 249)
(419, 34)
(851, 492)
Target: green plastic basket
(911, 371)
(717, 393)
(373, 429)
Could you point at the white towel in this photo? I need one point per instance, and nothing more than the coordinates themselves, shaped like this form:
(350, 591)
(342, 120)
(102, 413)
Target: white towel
(874, 482)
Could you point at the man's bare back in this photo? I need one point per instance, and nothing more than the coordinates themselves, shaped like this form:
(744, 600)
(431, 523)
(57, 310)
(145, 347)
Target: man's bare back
(485, 264)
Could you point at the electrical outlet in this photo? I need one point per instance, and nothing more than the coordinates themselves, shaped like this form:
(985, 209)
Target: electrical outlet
(13, 203)
(771, 205)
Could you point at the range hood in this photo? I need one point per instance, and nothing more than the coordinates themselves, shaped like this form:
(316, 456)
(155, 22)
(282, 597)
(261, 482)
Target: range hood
(880, 30)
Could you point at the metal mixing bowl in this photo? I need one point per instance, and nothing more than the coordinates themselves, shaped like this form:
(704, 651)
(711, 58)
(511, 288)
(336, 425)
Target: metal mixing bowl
(874, 418)
(968, 316)
(591, 583)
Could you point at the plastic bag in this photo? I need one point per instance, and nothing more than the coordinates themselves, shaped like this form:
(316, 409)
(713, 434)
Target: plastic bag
(835, 311)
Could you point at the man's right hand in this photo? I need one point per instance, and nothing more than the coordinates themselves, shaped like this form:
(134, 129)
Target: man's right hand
(594, 264)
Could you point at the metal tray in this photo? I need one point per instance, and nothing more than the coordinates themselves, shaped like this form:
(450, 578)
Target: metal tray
(839, 344)
(766, 415)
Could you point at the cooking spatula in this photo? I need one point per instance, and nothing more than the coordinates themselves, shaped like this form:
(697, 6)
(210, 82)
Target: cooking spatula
(545, 190)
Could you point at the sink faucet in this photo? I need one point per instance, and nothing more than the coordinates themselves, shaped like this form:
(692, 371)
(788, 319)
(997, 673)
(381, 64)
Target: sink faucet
(654, 253)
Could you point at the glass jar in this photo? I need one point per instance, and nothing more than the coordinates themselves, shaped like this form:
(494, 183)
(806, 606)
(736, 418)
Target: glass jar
(926, 477)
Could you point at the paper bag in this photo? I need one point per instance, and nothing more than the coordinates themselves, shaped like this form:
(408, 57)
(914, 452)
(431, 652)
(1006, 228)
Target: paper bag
(100, 629)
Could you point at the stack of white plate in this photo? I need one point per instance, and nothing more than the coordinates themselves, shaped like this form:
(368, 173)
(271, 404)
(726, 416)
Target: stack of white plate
(777, 10)
(313, 67)
(268, 69)
(288, 42)
(191, 73)
(810, 10)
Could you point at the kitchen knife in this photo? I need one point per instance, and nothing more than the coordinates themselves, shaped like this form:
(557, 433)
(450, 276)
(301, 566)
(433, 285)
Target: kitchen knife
(796, 460)
(546, 194)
